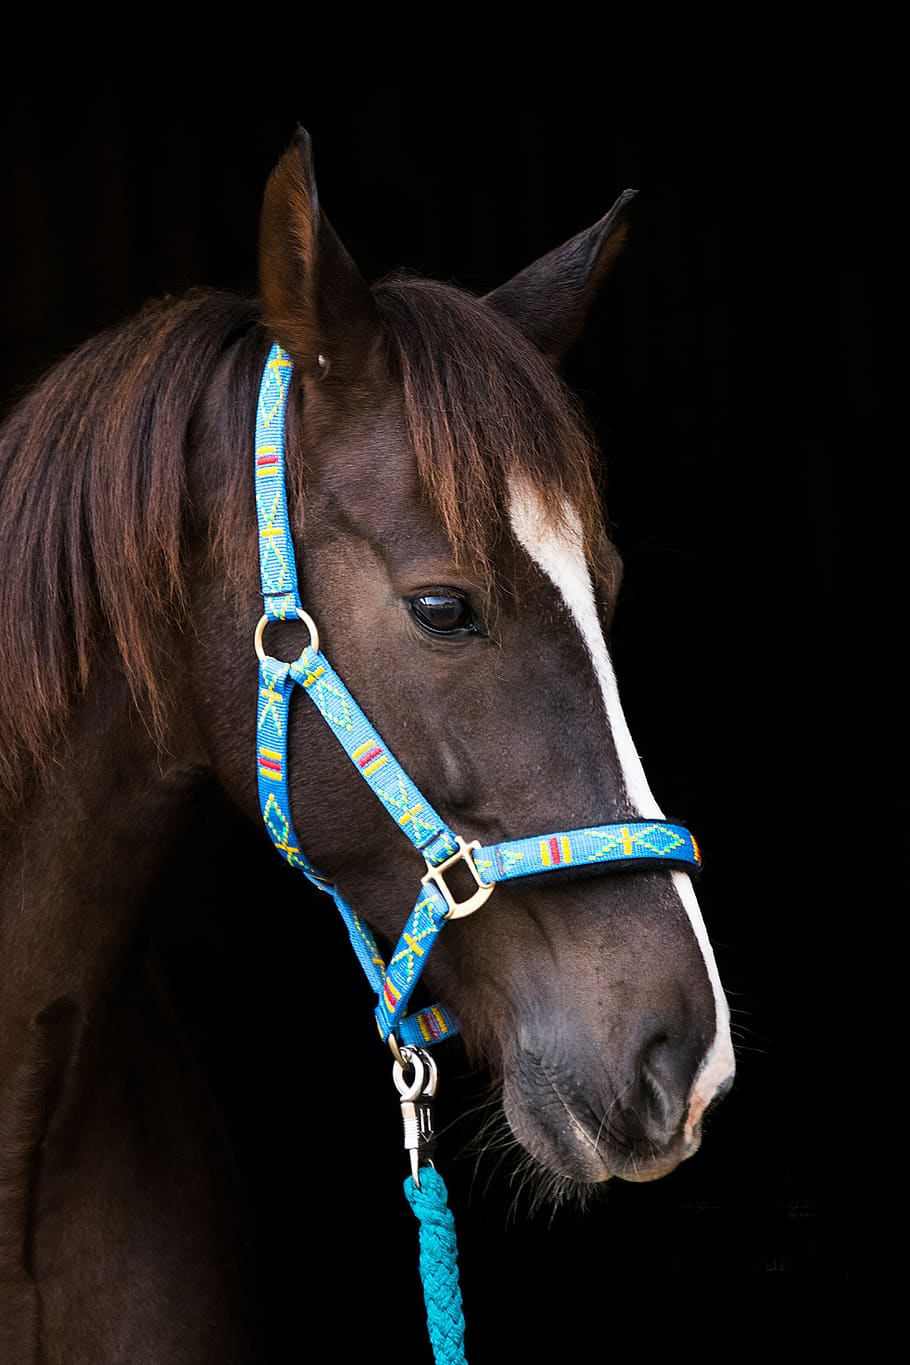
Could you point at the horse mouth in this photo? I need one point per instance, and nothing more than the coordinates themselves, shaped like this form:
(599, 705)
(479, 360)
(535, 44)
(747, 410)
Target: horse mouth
(586, 1143)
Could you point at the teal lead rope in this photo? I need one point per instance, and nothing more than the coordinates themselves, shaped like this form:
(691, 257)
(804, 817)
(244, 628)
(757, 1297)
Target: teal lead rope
(438, 1265)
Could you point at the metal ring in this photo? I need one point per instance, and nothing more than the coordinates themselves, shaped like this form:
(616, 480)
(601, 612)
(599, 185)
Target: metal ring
(410, 1090)
(305, 618)
(396, 1050)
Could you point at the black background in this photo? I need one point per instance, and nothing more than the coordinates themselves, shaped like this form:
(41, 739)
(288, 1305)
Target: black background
(738, 368)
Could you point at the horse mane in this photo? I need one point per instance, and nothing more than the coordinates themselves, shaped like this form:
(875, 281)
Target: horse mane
(93, 498)
(92, 515)
(484, 407)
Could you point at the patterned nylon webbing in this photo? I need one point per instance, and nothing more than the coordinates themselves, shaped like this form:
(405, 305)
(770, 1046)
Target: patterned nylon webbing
(636, 843)
(277, 565)
(413, 815)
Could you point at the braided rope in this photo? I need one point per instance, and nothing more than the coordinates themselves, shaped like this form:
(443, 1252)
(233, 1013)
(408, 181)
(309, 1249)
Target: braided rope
(438, 1266)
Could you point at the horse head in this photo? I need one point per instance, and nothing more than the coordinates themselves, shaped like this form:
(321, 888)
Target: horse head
(452, 550)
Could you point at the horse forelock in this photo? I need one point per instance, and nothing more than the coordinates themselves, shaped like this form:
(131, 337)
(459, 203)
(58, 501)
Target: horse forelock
(484, 408)
(92, 518)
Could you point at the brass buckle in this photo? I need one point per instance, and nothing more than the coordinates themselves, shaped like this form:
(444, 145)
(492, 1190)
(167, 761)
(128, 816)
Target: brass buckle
(458, 909)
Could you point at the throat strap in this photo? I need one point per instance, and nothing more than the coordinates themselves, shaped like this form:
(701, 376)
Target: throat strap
(393, 986)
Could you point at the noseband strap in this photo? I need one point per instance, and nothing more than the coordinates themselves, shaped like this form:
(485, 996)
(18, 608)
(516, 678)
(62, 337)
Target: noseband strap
(609, 847)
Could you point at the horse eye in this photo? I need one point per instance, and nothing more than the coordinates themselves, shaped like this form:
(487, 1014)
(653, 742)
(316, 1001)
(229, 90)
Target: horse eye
(443, 613)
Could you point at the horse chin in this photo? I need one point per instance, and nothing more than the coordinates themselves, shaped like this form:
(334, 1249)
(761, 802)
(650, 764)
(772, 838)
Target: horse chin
(561, 1147)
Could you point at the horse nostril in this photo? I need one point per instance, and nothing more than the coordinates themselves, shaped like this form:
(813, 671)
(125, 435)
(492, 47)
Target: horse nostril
(665, 1074)
(655, 1101)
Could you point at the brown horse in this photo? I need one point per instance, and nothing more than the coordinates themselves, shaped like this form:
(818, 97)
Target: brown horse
(451, 544)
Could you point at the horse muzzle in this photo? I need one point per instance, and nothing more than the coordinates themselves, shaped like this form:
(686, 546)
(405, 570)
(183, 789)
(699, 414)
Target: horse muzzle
(637, 1124)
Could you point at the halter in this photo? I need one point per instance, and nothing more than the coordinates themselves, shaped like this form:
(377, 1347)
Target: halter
(609, 847)
(637, 843)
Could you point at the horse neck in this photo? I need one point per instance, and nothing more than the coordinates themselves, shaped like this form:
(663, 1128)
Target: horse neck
(94, 1074)
(81, 851)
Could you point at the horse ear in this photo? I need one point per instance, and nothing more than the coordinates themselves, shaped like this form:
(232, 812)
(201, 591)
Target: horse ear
(317, 304)
(549, 300)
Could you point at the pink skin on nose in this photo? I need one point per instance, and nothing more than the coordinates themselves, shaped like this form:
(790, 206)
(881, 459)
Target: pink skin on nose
(697, 1106)
(716, 1075)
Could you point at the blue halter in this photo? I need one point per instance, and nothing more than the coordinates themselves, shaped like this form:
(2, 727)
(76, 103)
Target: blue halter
(638, 843)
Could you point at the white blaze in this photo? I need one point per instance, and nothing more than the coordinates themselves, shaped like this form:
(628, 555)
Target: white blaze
(557, 547)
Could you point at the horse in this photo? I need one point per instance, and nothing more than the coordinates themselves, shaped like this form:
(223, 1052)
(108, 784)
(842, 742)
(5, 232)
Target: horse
(449, 532)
